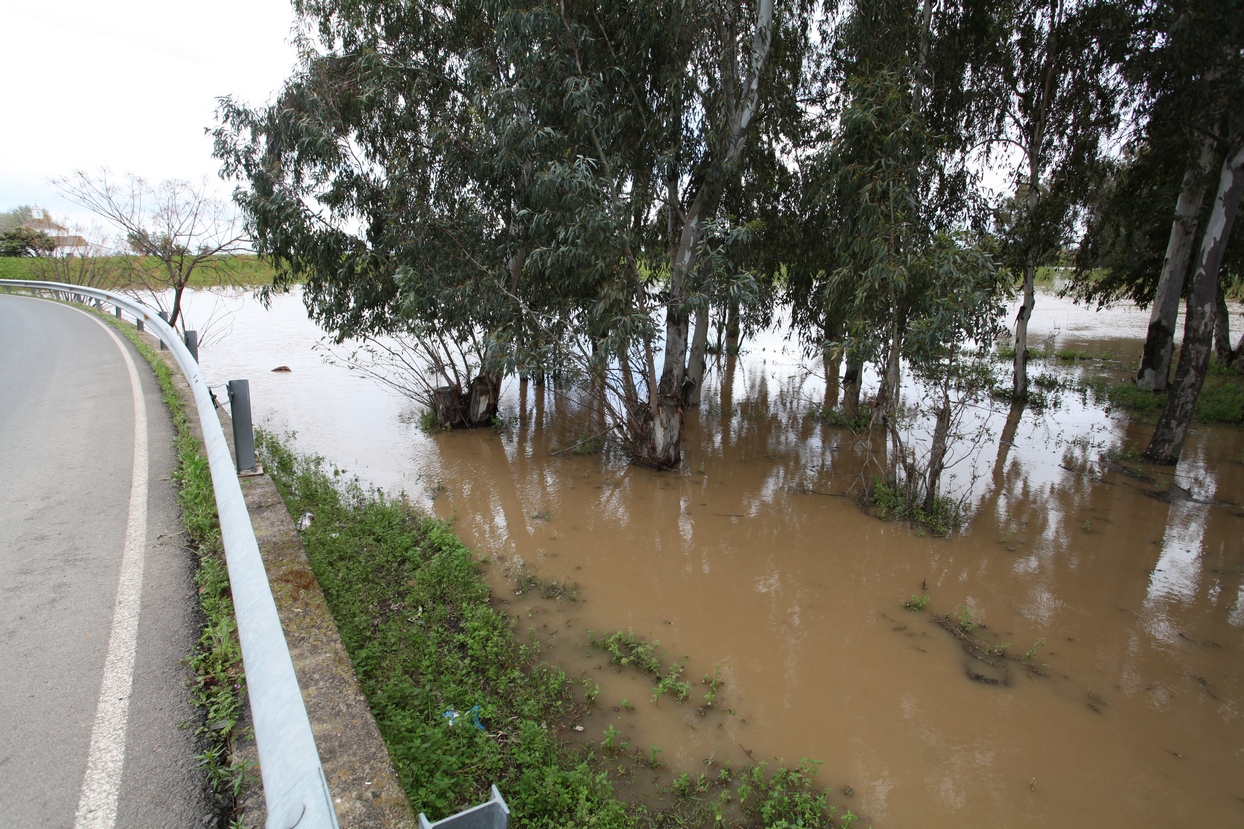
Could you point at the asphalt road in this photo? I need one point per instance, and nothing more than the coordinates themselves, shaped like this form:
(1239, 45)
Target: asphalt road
(97, 599)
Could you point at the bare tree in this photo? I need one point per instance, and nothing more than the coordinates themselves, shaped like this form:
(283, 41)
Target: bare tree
(175, 230)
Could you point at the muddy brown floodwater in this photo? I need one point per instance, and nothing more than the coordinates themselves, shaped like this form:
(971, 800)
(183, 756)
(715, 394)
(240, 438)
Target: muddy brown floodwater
(1118, 702)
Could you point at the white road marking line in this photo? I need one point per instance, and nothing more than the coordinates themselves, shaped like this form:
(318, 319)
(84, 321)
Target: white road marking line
(101, 787)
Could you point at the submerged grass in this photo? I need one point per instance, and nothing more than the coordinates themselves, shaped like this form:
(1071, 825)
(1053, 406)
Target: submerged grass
(892, 503)
(1221, 399)
(460, 702)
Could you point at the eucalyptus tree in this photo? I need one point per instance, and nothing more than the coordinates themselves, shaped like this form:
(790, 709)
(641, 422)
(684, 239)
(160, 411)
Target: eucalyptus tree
(544, 179)
(1169, 435)
(904, 290)
(389, 178)
(1186, 69)
(663, 104)
(902, 66)
(1048, 99)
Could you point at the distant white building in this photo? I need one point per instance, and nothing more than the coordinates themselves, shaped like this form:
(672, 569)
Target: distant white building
(67, 244)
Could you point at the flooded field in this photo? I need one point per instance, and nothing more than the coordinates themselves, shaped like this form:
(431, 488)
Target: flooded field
(1116, 701)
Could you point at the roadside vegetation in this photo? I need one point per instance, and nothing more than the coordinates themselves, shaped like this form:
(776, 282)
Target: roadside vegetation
(463, 704)
(217, 683)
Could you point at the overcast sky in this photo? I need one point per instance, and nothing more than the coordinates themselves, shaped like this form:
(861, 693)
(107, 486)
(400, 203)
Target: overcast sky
(129, 85)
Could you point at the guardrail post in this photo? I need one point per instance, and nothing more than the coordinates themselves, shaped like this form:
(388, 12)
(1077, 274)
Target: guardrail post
(164, 316)
(243, 433)
(138, 323)
(192, 344)
(118, 310)
(491, 814)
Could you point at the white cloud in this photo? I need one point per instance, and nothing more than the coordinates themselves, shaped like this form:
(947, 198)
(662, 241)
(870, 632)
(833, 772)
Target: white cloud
(131, 86)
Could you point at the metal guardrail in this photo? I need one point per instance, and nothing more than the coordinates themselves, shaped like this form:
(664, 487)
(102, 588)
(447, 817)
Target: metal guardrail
(295, 790)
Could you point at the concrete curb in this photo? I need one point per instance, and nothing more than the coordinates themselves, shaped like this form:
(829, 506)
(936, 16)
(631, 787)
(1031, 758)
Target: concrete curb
(366, 791)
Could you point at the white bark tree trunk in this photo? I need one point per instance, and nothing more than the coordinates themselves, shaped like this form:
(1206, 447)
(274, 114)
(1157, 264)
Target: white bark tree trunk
(1155, 362)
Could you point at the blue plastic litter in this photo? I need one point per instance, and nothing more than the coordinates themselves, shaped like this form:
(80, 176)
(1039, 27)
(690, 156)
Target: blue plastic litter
(452, 715)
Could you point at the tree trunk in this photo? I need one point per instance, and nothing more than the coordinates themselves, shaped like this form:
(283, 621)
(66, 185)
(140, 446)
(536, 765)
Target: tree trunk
(697, 362)
(1155, 362)
(1222, 331)
(937, 453)
(887, 395)
(677, 323)
(732, 326)
(851, 381)
(1020, 388)
(831, 362)
(655, 441)
(446, 403)
(727, 399)
(1172, 428)
(175, 314)
(482, 399)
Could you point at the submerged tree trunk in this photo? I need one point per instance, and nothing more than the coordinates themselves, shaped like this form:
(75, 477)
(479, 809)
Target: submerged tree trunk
(851, 379)
(937, 452)
(888, 394)
(455, 408)
(732, 326)
(696, 364)
(1020, 388)
(1172, 428)
(831, 361)
(1222, 331)
(1155, 362)
(655, 442)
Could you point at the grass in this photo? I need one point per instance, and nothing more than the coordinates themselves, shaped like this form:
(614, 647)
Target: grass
(416, 617)
(1221, 399)
(243, 271)
(218, 683)
(840, 418)
(891, 504)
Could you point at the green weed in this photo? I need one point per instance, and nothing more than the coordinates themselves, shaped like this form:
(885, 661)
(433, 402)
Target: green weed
(610, 741)
(916, 603)
(1032, 652)
(893, 504)
(415, 617)
(966, 619)
(218, 682)
(839, 418)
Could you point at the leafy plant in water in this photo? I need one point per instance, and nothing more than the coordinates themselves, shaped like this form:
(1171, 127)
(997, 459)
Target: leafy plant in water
(713, 682)
(965, 618)
(785, 799)
(625, 649)
(916, 603)
(1031, 653)
(610, 742)
(671, 682)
